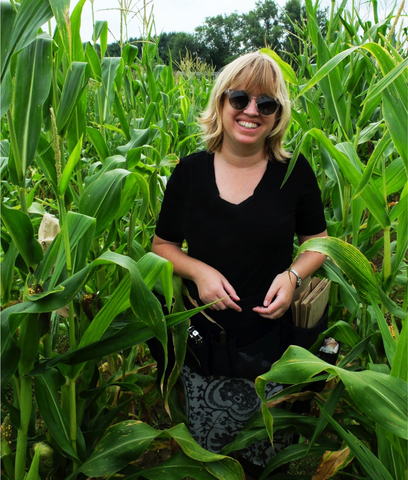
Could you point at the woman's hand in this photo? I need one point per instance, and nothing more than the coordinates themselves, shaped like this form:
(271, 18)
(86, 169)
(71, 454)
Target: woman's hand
(212, 286)
(279, 296)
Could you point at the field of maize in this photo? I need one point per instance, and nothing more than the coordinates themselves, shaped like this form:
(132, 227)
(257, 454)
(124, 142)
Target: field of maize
(87, 143)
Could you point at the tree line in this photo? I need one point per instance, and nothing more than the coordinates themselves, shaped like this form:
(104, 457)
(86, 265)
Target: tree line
(226, 36)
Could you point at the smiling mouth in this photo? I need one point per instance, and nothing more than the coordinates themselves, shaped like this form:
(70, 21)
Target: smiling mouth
(247, 124)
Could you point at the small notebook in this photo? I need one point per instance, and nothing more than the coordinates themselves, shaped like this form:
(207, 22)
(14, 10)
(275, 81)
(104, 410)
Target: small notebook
(309, 303)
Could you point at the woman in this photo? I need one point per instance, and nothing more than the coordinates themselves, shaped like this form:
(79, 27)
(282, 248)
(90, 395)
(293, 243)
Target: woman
(239, 224)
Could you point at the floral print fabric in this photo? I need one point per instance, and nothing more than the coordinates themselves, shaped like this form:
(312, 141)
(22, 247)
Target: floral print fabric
(218, 408)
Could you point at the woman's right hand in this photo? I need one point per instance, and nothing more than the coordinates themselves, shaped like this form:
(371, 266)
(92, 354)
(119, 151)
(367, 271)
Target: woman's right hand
(212, 286)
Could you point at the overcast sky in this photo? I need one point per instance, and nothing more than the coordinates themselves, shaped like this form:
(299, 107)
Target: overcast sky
(169, 15)
(175, 15)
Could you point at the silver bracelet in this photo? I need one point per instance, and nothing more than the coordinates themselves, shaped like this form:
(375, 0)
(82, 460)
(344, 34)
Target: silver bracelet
(298, 277)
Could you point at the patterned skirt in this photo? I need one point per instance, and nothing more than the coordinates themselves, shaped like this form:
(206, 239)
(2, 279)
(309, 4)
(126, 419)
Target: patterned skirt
(218, 408)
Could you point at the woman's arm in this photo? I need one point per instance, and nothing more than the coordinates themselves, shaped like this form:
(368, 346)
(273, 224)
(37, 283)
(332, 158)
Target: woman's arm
(211, 284)
(284, 284)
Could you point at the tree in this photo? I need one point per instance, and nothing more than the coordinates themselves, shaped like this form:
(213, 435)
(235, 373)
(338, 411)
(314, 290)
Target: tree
(221, 37)
(260, 27)
(224, 37)
(178, 43)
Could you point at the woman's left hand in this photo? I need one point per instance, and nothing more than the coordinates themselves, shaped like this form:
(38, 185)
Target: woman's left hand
(281, 292)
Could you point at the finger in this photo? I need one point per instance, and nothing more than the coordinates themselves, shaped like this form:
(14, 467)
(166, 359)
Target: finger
(271, 317)
(233, 305)
(269, 296)
(224, 306)
(273, 311)
(216, 306)
(228, 303)
(230, 290)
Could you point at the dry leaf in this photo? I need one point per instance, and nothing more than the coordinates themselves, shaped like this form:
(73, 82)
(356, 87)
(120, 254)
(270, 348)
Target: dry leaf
(332, 462)
(294, 397)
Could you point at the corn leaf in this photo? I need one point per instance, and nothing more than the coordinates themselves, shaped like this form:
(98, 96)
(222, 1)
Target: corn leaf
(133, 333)
(126, 441)
(177, 463)
(93, 60)
(10, 352)
(388, 79)
(69, 168)
(368, 461)
(45, 158)
(397, 121)
(290, 454)
(400, 366)
(101, 31)
(395, 97)
(106, 93)
(326, 69)
(135, 187)
(98, 142)
(351, 261)
(101, 199)
(372, 163)
(390, 453)
(78, 54)
(32, 85)
(288, 73)
(120, 112)
(8, 16)
(389, 343)
(60, 9)
(46, 394)
(330, 408)
(21, 231)
(21, 29)
(74, 84)
(78, 225)
(381, 397)
(7, 273)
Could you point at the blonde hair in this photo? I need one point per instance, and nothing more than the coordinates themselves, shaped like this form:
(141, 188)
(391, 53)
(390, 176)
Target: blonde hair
(251, 71)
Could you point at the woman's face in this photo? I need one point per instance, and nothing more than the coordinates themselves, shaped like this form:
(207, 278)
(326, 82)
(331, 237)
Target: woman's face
(246, 129)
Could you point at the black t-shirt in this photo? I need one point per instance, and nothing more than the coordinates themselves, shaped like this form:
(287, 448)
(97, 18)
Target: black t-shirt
(249, 243)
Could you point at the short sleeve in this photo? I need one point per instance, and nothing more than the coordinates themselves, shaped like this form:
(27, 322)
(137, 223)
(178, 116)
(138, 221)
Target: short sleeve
(310, 212)
(170, 224)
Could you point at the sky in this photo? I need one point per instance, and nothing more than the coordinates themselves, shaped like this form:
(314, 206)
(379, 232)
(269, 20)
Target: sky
(174, 15)
(169, 15)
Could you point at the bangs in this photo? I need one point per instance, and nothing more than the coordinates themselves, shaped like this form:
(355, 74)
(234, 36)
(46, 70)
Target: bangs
(259, 75)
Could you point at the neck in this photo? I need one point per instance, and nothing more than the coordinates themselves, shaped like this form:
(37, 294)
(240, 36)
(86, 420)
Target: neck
(243, 157)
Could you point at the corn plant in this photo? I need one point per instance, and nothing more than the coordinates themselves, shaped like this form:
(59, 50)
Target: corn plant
(350, 111)
(102, 175)
(91, 140)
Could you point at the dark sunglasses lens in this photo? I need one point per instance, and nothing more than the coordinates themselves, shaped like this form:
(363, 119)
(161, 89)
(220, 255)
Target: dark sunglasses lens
(239, 100)
(267, 105)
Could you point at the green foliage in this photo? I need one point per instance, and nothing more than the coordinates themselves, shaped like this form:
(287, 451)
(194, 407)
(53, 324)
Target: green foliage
(224, 37)
(93, 141)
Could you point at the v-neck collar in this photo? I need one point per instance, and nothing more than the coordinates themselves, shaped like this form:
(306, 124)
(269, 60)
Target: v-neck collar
(217, 193)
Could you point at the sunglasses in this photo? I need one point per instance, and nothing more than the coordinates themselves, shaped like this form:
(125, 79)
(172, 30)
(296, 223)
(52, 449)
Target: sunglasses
(239, 100)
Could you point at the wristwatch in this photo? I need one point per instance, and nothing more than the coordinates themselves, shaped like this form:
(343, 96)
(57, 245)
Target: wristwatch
(298, 277)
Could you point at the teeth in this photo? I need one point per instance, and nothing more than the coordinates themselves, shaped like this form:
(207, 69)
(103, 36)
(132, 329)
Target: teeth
(247, 124)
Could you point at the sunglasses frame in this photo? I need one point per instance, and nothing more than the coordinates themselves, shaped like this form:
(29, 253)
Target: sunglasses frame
(250, 97)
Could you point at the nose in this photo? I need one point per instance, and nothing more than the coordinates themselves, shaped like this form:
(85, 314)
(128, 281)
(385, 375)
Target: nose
(251, 108)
